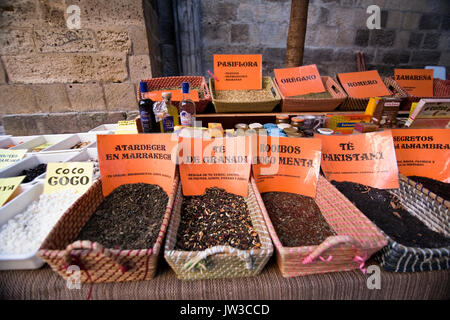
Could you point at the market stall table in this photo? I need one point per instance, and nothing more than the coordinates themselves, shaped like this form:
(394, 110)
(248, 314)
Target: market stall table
(46, 284)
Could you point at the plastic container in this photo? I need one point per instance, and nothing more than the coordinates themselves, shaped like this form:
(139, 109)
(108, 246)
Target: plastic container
(10, 210)
(105, 128)
(39, 140)
(33, 161)
(89, 154)
(16, 141)
(67, 144)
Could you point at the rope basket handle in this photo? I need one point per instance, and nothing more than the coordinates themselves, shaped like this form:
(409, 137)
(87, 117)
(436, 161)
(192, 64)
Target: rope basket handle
(94, 247)
(330, 243)
(196, 261)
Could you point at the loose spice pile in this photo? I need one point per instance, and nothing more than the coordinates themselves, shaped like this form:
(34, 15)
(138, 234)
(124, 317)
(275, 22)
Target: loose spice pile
(33, 173)
(243, 95)
(81, 145)
(441, 189)
(216, 218)
(315, 95)
(297, 219)
(386, 211)
(130, 217)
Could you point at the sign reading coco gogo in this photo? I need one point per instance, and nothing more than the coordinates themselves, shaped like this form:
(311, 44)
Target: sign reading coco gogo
(299, 80)
(368, 159)
(287, 165)
(423, 152)
(364, 84)
(76, 176)
(238, 71)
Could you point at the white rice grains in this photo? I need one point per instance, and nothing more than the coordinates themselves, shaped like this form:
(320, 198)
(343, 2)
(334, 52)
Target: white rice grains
(25, 232)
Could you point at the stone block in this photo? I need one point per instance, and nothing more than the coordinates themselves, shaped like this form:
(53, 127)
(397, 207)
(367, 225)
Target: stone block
(445, 59)
(445, 23)
(411, 20)
(216, 33)
(139, 40)
(344, 56)
(120, 96)
(55, 123)
(103, 13)
(16, 42)
(140, 67)
(402, 39)
(113, 40)
(415, 40)
(227, 11)
(430, 21)
(274, 34)
(382, 38)
(17, 99)
(88, 120)
(239, 33)
(326, 36)
(18, 13)
(431, 40)
(317, 55)
(66, 68)
(52, 13)
(51, 97)
(425, 57)
(394, 20)
(395, 57)
(3, 78)
(86, 97)
(362, 38)
(131, 115)
(64, 40)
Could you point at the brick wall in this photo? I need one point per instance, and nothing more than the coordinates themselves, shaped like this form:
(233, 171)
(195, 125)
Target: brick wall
(46, 67)
(413, 33)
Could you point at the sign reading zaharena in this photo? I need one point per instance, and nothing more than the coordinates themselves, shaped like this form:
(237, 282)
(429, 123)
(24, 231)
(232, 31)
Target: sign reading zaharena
(418, 82)
(238, 71)
(299, 80)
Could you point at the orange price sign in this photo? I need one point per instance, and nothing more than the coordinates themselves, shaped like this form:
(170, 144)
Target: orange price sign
(418, 82)
(364, 84)
(221, 162)
(423, 152)
(299, 80)
(238, 71)
(367, 158)
(287, 165)
(137, 158)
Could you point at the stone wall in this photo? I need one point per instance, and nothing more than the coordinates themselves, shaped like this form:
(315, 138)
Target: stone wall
(413, 33)
(46, 67)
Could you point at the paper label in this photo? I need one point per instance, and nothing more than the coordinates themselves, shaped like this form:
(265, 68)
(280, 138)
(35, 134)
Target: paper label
(299, 81)
(418, 82)
(8, 157)
(177, 95)
(367, 158)
(423, 152)
(126, 127)
(222, 162)
(364, 84)
(287, 165)
(238, 71)
(75, 176)
(7, 187)
(146, 158)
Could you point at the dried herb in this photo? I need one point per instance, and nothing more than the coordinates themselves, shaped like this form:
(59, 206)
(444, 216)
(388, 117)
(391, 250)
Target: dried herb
(81, 145)
(130, 217)
(297, 219)
(216, 218)
(315, 95)
(243, 95)
(441, 189)
(387, 212)
(33, 173)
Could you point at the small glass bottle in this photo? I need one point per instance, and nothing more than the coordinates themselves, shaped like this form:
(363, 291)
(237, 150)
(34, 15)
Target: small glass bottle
(166, 113)
(146, 114)
(187, 107)
(282, 118)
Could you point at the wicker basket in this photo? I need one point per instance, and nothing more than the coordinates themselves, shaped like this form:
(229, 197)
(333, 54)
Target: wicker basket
(170, 82)
(360, 104)
(291, 104)
(441, 90)
(223, 106)
(221, 261)
(435, 215)
(98, 264)
(356, 240)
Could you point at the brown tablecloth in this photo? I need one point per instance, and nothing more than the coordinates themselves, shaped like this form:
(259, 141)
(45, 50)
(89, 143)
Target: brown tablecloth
(46, 284)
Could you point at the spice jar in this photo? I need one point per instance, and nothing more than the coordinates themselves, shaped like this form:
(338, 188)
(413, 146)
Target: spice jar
(283, 126)
(255, 125)
(298, 123)
(290, 130)
(242, 126)
(294, 134)
(282, 118)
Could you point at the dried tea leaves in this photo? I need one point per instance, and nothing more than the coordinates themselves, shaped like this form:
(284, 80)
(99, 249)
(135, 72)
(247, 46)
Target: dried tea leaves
(387, 212)
(33, 173)
(297, 219)
(439, 188)
(216, 218)
(130, 217)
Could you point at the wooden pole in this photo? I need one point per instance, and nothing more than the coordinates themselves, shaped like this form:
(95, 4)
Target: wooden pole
(297, 32)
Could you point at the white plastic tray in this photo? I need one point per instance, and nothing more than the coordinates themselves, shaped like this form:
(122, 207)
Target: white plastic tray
(8, 211)
(86, 155)
(69, 142)
(109, 128)
(38, 140)
(6, 141)
(34, 160)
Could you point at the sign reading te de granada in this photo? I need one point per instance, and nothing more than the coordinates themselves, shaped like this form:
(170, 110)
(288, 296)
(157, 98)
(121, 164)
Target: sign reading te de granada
(238, 71)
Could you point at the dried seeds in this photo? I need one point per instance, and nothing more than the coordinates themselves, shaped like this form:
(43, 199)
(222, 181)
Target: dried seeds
(216, 218)
(130, 217)
(33, 173)
(297, 219)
